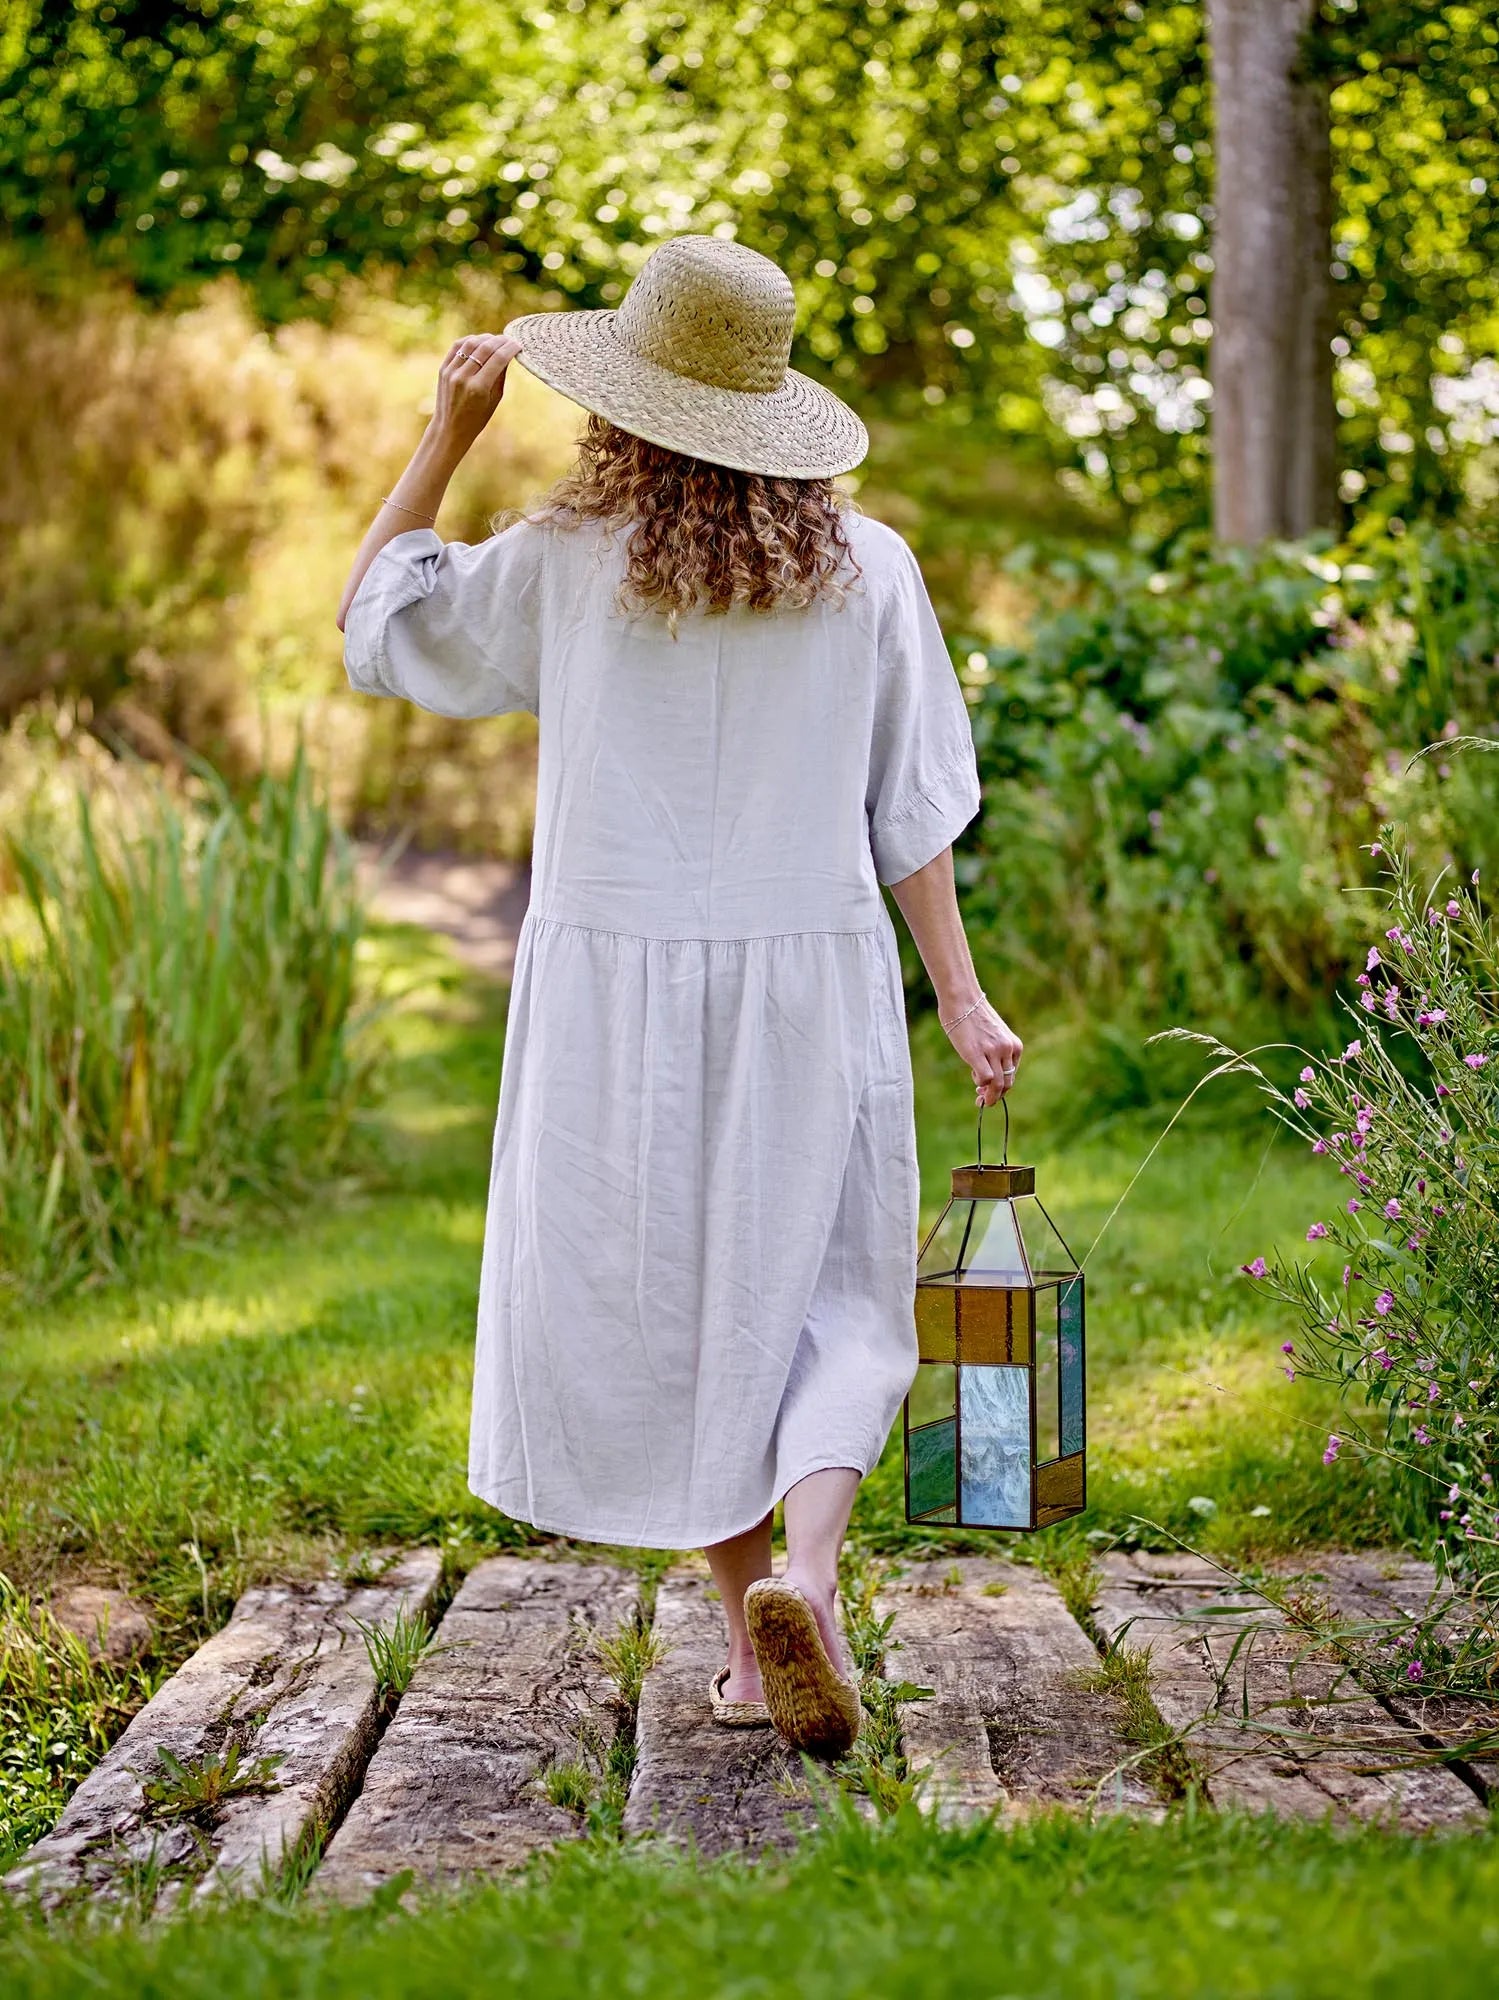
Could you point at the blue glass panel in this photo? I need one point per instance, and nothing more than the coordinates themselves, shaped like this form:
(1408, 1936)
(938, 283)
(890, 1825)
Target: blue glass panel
(1070, 1351)
(933, 1470)
(996, 1407)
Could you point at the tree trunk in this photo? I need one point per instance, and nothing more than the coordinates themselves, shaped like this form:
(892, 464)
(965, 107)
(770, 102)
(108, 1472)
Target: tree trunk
(1274, 467)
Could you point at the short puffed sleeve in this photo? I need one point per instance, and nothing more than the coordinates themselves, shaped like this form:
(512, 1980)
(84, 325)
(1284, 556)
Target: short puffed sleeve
(923, 770)
(454, 627)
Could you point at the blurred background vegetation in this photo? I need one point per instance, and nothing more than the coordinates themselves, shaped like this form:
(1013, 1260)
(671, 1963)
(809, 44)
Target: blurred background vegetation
(237, 237)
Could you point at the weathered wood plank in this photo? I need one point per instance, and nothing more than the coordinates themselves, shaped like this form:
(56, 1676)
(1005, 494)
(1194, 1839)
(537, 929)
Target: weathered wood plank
(1225, 1670)
(511, 1687)
(1011, 1721)
(1369, 1592)
(289, 1673)
(720, 1788)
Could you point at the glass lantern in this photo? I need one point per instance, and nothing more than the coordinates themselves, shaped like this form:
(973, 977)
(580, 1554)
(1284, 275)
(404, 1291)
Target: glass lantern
(994, 1424)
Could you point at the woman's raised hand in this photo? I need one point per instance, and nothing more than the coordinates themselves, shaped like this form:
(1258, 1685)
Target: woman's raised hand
(991, 1049)
(470, 384)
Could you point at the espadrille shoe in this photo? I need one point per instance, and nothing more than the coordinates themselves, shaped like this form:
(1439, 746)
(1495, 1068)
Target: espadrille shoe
(810, 1702)
(734, 1714)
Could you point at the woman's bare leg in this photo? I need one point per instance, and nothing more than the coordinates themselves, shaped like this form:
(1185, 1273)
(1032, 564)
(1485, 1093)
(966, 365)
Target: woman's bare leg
(736, 1565)
(817, 1511)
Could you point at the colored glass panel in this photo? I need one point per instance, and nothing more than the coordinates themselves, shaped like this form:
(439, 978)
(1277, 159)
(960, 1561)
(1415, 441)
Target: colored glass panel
(996, 1446)
(1070, 1364)
(932, 1468)
(1048, 1403)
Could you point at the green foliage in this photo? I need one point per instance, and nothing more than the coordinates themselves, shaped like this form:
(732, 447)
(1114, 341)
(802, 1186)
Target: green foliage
(393, 1651)
(176, 1018)
(60, 1709)
(1013, 228)
(185, 1788)
(1409, 1114)
(1181, 766)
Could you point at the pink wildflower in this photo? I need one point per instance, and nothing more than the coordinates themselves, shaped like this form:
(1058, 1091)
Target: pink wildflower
(1329, 1457)
(1319, 1145)
(1392, 1210)
(1317, 1231)
(1254, 1270)
(1421, 1434)
(1300, 1099)
(1354, 1207)
(1366, 1001)
(1384, 1303)
(1288, 1347)
(1415, 1671)
(1353, 1050)
(1454, 909)
(1384, 1357)
(1373, 959)
(1308, 1075)
(1475, 1062)
(1431, 1017)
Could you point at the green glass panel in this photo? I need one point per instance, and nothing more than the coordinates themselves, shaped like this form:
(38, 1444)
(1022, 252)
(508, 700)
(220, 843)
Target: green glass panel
(932, 1470)
(1070, 1364)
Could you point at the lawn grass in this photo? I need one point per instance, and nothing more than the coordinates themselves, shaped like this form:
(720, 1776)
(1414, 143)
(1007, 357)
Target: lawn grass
(264, 1403)
(1194, 1906)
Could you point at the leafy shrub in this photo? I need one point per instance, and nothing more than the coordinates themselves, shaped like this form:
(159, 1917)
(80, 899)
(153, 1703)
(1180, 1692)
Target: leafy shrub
(1181, 764)
(176, 1016)
(1409, 1115)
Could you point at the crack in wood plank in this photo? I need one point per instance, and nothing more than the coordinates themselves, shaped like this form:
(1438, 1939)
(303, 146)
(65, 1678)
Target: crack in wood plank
(1364, 1592)
(511, 1686)
(1227, 1674)
(1011, 1721)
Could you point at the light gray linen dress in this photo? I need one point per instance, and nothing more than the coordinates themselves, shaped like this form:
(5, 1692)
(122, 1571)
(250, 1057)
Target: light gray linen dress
(699, 1258)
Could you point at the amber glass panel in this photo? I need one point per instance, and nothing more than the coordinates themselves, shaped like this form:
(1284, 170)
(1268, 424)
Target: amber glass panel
(994, 1325)
(1059, 1490)
(936, 1322)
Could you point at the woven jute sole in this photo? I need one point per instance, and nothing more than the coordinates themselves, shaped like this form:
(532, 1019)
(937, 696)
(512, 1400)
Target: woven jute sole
(734, 1714)
(810, 1702)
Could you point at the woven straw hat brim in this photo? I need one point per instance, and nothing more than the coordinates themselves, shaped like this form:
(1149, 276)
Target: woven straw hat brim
(798, 431)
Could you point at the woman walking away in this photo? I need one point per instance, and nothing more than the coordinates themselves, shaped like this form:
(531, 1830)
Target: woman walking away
(699, 1260)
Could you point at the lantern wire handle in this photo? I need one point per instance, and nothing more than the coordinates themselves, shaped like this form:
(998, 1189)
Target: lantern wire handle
(1004, 1106)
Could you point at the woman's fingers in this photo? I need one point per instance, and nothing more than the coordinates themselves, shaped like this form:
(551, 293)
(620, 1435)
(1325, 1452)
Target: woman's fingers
(992, 1051)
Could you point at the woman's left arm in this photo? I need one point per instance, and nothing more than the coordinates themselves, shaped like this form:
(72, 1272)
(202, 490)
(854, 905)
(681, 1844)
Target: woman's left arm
(469, 387)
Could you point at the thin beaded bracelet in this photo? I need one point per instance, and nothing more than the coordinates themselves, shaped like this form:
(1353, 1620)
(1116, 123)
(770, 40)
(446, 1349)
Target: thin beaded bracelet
(401, 508)
(957, 1020)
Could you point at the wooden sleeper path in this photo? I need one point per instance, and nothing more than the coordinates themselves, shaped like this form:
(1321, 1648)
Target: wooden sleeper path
(524, 1707)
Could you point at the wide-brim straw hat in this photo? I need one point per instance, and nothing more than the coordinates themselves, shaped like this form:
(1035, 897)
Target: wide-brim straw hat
(696, 358)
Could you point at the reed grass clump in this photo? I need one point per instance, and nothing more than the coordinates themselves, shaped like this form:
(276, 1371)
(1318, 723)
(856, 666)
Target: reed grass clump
(178, 1023)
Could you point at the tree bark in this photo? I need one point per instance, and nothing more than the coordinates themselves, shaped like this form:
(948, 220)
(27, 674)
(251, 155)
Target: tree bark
(1274, 464)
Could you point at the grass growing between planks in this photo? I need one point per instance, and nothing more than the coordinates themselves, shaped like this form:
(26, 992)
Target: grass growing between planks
(293, 1393)
(899, 1910)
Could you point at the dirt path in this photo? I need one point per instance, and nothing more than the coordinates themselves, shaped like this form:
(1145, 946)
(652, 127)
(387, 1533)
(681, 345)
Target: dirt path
(477, 904)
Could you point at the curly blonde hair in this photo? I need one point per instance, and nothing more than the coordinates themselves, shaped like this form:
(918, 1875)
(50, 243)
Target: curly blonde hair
(702, 534)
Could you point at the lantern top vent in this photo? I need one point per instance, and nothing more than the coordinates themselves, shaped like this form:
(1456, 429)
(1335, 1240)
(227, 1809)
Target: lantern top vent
(992, 1183)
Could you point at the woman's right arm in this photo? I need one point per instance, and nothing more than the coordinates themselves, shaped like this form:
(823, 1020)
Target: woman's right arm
(928, 901)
